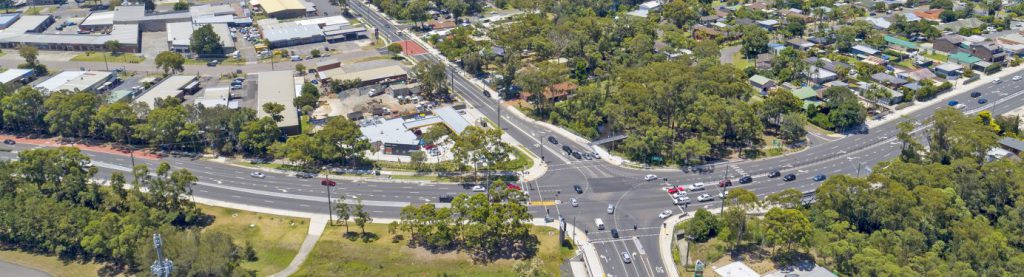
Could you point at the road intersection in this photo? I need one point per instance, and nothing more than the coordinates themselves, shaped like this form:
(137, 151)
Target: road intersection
(637, 201)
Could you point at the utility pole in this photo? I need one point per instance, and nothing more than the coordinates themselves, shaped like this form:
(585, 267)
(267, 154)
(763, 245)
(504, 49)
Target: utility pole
(327, 183)
(162, 266)
(725, 190)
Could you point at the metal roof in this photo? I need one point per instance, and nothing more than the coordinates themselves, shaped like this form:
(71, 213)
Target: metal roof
(172, 86)
(13, 74)
(392, 131)
(72, 80)
(104, 18)
(290, 31)
(274, 6)
(1013, 143)
(212, 97)
(452, 119)
(366, 75)
(27, 22)
(804, 93)
(900, 42)
(277, 87)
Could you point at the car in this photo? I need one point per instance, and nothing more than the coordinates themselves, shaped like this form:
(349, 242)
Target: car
(997, 81)
(725, 183)
(86, 163)
(746, 179)
(673, 190)
(679, 194)
(665, 214)
(257, 174)
(650, 177)
(705, 198)
(774, 174)
(574, 202)
(512, 186)
(577, 155)
(236, 86)
(681, 200)
(305, 175)
(952, 103)
(487, 94)
(611, 208)
(723, 194)
(626, 258)
(587, 156)
(819, 177)
(789, 177)
(596, 155)
(697, 186)
(982, 101)
(567, 149)
(212, 63)
(9, 142)
(578, 188)
(552, 140)
(478, 188)
(974, 94)
(1016, 78)
(447, 198)
(615, 233)
(960, 106)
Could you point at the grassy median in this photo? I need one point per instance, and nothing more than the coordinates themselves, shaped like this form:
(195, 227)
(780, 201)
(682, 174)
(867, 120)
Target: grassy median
(110, 58)
(336, 255)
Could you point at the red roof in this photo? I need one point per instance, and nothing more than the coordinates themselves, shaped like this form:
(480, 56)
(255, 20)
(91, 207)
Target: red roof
(932, 14)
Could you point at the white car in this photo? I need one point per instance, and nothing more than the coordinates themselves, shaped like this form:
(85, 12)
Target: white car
(996, 81)
(574, 202)
(723, 194)
(679, 194)
(960, 106)
(1016, 78)
(697, 186)
(681, 200)
(597, 156)
(705, 198)
(479, 188)
(665, 214)
(86, 164)
(257, 174)
(650, 177)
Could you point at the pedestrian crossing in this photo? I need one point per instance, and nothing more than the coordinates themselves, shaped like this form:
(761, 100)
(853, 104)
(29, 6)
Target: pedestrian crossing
(739, 171)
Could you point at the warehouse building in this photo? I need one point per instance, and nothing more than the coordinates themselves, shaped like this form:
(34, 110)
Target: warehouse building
(96, 81)
(27, 31)
(15, 76)
(376, 75)
(179, 36)
(174, 86)
(284, 9)
(279, 87)
(7, 19)
(291, 33)
(212, 97)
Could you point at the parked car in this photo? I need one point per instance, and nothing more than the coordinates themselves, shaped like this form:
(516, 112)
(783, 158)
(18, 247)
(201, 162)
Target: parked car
(982, 101)
(774, 174)
(650, 177)
(587, 156)
(997, 81)
(673, 190)
(567, 149)
(626, 258)
(578, 188)
(723, 194)
(212, 63)
(952, 103)
(615, 233)
(552, 140)
(1016, 78)
(746, 179)
(574, 202)
(479, 188)
(789, 177)
(960, 106)
(819, 177)
(704, 198)
(665, 214)
(611, 208)
(697, 186)
(236, 86)
(257, 174)
(974, 94)
(9, 142)
(447, 198)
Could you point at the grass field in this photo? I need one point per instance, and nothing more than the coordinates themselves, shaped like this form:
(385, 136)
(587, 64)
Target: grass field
(49, 264)
(335, 255)
(739, 62)
(98, 57)
(276, 239)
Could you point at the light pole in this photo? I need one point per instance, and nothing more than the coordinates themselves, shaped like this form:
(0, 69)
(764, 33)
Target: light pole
(725, 189)
(327, 183)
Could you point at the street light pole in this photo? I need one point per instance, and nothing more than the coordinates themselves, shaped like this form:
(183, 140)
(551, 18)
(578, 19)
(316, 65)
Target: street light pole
(725, 190)
(327, 183)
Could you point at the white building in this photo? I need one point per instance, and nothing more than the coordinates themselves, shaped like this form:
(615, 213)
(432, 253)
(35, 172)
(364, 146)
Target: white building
(77, 80)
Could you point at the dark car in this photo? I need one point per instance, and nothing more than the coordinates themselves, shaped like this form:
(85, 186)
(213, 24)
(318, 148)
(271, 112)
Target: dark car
(982, 101)
(578, 189)
(9, 141)
(774, 174)
(577, 155)
(488, 94)
(975, 94)
(305, 175)
(615, 233)
(567, 149)
(789, 177)
(212, 63)
(819, 177)
(447, 198)
(746, 179)
(725, 183)
(952, 103)
(552, 140)
(588, 156)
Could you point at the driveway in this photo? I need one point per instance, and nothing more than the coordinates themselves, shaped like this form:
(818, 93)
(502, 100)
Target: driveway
(727, 54)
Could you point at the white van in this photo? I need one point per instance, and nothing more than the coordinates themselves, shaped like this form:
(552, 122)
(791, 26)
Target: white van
(599, 223)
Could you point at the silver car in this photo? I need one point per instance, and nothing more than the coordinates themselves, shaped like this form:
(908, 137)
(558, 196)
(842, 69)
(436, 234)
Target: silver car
(611, 208)
(574, 202)
(626, 258)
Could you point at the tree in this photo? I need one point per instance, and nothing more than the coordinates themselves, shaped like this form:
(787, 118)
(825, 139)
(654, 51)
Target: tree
(205, 42)
(343, 212)
(166, 125)
(416, 10)
(362, 217)
(310, 97)
(71, 113)
(529, 268)
(702, 226)
(274, 110)
(181, 6)
(788, 228)
(29, 53)
(435, 133)
(257, 136)
(788, 198)
(114, 121)
(417, 158)
(792, 129)
(395, 48)
(480, 147)
(433, 79)
(170, 62)
(23, 110)
(113, 46)
(754, 41)
(955, 135)
(314, 53)
(538, 81)
(300, 68)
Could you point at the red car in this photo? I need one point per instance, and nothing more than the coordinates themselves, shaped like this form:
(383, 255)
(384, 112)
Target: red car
(513, 186)
(672, 190)
(725, 183)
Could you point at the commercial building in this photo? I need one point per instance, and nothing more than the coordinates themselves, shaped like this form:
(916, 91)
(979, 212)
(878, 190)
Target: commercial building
(279, 87)
(212, 97)
(397, 136)
(26, 31)
(175, 86)
(283, 9)
(383, 74)
(179, 36)
(290, 33)
(77, 81)
(7, 19)
(15, 75)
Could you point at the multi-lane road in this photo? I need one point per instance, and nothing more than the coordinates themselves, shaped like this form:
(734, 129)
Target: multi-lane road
(637, 202)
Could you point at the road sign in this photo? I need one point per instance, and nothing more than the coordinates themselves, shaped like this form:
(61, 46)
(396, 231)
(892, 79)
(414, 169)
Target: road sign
(698, 269)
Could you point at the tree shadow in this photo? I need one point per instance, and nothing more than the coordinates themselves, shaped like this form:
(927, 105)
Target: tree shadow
(366, 237)
(791, 258)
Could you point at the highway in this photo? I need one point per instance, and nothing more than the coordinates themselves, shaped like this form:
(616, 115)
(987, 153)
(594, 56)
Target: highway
(637, 202)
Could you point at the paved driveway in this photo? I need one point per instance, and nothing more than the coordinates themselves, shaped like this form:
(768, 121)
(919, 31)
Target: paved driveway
(727, 54)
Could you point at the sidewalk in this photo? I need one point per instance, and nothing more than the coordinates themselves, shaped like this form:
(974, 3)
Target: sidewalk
(101, 148)
(591, 258)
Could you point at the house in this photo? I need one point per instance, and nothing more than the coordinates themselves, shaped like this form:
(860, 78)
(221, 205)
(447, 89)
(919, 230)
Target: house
(949, 43)
(966, 23)
(888, 80)
(930, 15)
(1012, 43)
(769, 24)
(988, 51)
(762, 83)
(800, 43)
(554, 93)
(808, 95)
(949, 69)
(963, 58)
(865, 50)
(919, 74)
(439, 25)
(645, 8)
(879, 23)
(279, 87)
(708, 19)
(763, 61)
(996, 153)
(826, 64)
(1013, 145)
(736, 269)
(911, 17)
(820, 75)
(776, 48)
(703, 32)
(900, 44)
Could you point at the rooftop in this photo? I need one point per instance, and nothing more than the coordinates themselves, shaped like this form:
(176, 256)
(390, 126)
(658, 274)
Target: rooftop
(804, 93)
(365, 75)
(949, 67)
(391, 131)
(900, 42)
(13, 74)
(212, 97)
(273, 6)
(172, 86)
(736, 269)
(8, 18)
(289, 31)
(964, 58)
(1012, 143)
(452, 119)
(74, 80)
(27, 23)
(758, 79)
(103, 18)
(277, 87)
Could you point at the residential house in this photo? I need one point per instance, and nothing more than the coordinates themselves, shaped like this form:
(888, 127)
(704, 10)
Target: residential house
(776, 48)
(824, 40)
(820, 75)
(930, 15)
(1013, 145)
(769, 24)
(800, 43)
(827, 64)
(949, 43)
(1012, 43)
(864, 50)
(988, 51)
(911, 17)
(808, 269)
(955, 26)
(708, 19)
(919, 74)
(900, 44)
(762, 83)
(764, 61)
(554, 93)
(963, 58)
(703, 32)
(879, 23)
(645, 8)
(949, 70)
(888, 80)
(808, 95)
